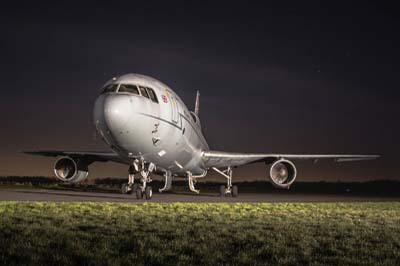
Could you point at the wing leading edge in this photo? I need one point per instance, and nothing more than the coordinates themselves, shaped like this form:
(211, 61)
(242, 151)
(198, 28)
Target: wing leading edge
(225, 159)
(89, 156)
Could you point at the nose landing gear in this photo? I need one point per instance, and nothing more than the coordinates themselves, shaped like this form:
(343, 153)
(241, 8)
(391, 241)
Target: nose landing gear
(147, 193)
(145, 171)
(142, 189)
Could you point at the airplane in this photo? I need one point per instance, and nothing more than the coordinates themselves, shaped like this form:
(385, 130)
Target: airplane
(149, 128)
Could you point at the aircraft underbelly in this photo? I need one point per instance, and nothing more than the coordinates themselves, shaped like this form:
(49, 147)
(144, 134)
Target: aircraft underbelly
(166, 144)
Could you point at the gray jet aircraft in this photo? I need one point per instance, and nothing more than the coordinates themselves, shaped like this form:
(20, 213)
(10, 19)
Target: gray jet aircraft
(150, 129)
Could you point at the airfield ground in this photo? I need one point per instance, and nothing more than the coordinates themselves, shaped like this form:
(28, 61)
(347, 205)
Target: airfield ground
(108, 190)
(81, 225)
(100, 233)
(38, 194)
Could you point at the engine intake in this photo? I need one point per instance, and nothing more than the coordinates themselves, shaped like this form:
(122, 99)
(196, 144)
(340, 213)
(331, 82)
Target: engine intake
(282, 173)
(68, 170)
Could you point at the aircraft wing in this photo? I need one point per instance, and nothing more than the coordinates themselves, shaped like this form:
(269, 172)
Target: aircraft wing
(88, 156)
(224, 159)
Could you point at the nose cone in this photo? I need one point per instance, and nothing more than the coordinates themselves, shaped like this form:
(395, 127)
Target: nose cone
(112, 113)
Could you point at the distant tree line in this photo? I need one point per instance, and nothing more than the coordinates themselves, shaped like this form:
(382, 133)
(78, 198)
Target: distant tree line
(384, 187)
(28, 180)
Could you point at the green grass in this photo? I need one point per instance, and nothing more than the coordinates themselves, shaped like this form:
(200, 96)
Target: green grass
(199, 234)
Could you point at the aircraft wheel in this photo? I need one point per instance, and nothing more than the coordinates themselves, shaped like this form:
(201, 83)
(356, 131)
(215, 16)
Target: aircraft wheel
(134, 188)
(124, 188)
(234, 191)
(222, 191)
(148, 193)
(139, 193)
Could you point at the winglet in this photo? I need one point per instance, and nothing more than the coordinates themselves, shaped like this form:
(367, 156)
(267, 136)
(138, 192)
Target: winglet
(197, 105)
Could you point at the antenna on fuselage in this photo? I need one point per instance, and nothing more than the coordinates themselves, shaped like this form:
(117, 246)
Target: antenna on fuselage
(197, 105)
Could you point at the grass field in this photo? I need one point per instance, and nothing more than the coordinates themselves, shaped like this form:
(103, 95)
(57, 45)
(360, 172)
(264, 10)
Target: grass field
(199, 234)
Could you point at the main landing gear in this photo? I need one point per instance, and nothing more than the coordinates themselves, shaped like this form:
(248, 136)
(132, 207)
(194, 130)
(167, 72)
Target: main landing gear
(168, 182)
(140, 190)
(130, 187)
(192, 179)
(229, 189)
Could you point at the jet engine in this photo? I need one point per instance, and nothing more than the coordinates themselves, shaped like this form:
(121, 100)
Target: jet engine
(282, 173)
(71, 171)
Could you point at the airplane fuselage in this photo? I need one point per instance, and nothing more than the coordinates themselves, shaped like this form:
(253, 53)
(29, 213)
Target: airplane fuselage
(160, 130)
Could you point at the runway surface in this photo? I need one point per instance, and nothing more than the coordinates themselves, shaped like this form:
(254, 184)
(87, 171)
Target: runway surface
(74, 196)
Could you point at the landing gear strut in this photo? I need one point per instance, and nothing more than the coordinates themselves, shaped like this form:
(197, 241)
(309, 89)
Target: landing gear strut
(192, 179)
(229, 189)
(168, 182)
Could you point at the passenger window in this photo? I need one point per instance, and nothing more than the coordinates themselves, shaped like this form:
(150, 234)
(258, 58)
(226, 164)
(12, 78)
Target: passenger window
(152, 95)
(128, 88)
(144, 92)
(110, 88)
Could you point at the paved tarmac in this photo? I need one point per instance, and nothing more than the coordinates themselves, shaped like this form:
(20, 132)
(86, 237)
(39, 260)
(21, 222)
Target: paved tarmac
(77, 196)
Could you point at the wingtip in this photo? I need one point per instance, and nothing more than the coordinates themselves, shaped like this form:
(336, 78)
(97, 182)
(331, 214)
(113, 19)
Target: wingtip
(361, 158)
(29, 152)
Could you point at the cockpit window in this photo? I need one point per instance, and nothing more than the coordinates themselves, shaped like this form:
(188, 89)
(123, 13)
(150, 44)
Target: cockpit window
(144, 92)
(152, 95)
(110, 88)
(128, 88)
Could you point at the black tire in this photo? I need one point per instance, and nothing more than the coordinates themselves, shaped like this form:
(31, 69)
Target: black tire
(134, 188)
(131, 170)
(139, 193)
(235, 191)
(124, 188)
(222, 191)
(148, 193)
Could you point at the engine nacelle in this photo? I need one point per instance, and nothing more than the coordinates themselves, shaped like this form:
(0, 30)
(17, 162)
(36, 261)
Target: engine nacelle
(69, 170)
(282, 173)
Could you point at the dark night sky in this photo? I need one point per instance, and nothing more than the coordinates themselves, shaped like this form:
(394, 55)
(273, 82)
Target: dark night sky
(287, 78)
